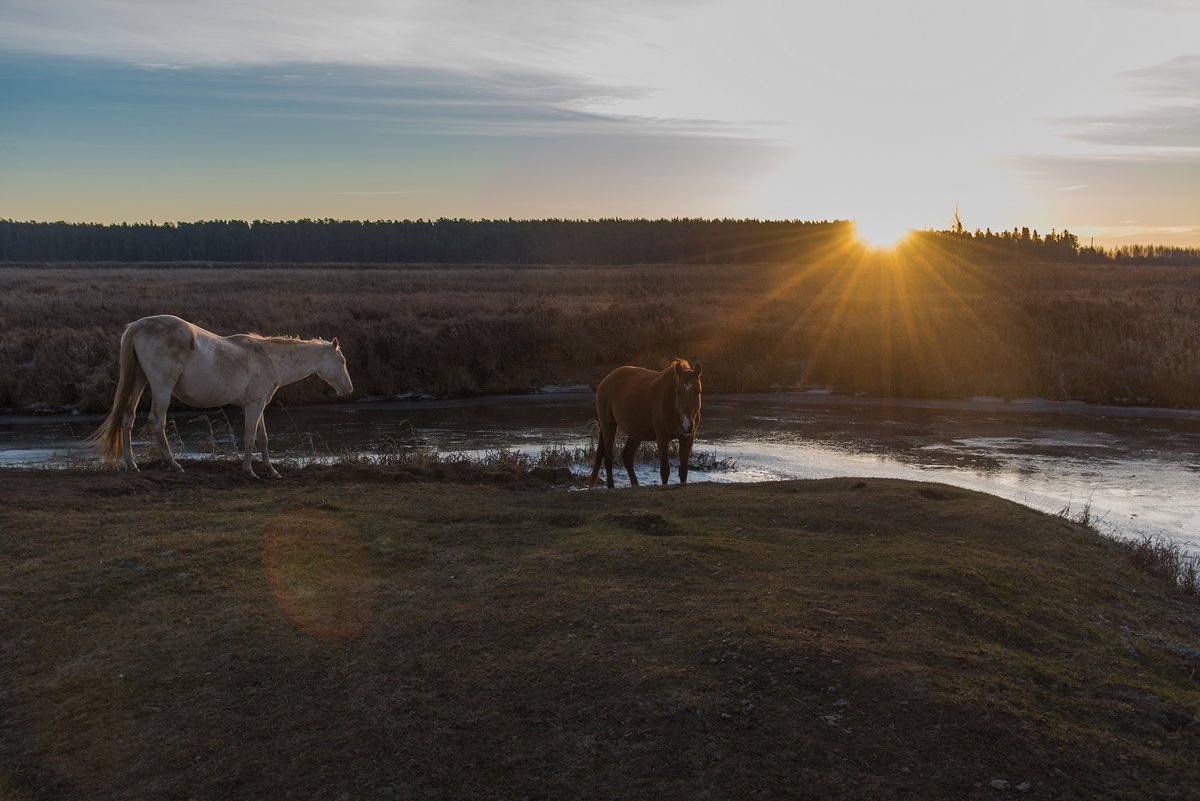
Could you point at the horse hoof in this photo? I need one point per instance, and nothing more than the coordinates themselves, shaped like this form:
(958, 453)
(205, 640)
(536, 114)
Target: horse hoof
(275, 474)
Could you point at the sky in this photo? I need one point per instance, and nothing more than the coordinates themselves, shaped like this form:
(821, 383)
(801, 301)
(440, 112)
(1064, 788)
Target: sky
(1052, 114)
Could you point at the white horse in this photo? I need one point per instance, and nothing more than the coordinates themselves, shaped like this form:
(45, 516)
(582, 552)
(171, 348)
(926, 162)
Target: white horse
(176, 358)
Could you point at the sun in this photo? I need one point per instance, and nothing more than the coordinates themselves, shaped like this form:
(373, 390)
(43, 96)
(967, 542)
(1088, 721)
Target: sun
(881, 233)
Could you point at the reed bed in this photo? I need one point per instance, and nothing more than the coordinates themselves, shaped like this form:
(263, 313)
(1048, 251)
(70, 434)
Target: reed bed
(920, 328)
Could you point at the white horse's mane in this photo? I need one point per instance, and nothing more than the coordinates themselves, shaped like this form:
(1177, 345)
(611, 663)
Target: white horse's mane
(285, 339)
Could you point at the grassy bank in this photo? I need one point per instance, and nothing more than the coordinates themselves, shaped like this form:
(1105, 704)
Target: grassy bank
(392, 633)
(929, 327)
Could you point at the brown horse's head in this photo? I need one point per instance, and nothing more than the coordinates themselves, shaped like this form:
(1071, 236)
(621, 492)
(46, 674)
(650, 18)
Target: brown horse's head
(687, 395)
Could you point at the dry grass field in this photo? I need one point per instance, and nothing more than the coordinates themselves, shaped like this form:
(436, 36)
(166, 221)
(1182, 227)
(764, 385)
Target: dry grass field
(472, 633)
(919, 328)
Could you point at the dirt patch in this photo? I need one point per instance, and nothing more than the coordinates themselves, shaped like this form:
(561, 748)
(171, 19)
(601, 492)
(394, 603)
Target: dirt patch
(942, 493)
(643, 522)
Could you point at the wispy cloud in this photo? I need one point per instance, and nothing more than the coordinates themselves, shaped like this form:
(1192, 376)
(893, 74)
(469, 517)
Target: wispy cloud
(451, 34)
(1154, 187)
(1171, 118)
(377, 193)
(395, 100)
(1177, 78)
(1161, 127)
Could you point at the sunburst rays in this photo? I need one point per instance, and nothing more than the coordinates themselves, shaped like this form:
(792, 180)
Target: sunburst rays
(915, 320)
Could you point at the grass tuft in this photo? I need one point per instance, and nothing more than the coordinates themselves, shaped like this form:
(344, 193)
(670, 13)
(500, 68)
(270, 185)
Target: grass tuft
(1167, 561)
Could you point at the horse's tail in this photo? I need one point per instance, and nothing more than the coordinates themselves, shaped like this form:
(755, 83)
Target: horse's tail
(599, 459)
(107, 438)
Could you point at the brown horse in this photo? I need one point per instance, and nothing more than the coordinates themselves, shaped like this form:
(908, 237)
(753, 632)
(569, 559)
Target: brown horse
(645, 404)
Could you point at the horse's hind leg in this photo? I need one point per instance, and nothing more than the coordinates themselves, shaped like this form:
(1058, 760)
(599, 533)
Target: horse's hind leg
(160, 399)
(135, 397)
(605, 445)
(262, 446)
(609, 444)
(253, 412)
(598, 461)
(627, 454)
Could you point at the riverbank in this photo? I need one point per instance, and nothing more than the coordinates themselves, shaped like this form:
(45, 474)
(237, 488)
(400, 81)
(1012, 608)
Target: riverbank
(379, 633)
(1134, 467)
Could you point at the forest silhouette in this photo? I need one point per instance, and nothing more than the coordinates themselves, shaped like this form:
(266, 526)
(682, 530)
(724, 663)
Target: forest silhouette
(549, 241)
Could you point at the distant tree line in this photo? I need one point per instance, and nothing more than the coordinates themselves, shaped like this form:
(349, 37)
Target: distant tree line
(459, 241)
(1024, 245)
(448, 241)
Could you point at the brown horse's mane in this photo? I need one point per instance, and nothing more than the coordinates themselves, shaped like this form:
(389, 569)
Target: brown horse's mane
(681, 362)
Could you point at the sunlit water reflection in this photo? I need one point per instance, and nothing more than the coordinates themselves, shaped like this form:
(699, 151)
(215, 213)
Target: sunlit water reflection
(1136, 470)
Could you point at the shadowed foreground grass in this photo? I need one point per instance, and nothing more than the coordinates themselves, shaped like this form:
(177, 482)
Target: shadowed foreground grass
(371, 633)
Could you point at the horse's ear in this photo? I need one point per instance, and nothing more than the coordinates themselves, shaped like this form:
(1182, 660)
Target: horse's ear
(696, 369)
(335, 344)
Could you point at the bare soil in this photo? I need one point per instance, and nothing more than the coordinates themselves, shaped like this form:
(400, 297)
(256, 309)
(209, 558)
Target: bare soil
(361, 633)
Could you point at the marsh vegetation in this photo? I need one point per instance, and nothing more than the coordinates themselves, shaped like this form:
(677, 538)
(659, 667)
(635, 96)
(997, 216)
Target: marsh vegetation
(903, 327)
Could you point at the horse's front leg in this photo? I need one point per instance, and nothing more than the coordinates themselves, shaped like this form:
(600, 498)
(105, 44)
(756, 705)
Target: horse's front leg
(664, 463)
(685, 456)
(627, 455)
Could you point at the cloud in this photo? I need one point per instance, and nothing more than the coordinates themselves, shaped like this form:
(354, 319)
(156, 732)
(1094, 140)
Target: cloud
(449, 34)
(1177, 78)
(394, 100)
(1173, 121)
(1169, 6)
(420, 66)
(1154, 187)
(1161, 127)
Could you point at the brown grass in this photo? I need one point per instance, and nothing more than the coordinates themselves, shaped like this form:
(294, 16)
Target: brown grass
(927, 326)
(1166, 560)
(364, 633)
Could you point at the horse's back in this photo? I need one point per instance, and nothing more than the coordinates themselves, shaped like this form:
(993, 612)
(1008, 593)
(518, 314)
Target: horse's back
(163, 336)
(624, 381)
(166, 328)
(199, 367)
(626, 396)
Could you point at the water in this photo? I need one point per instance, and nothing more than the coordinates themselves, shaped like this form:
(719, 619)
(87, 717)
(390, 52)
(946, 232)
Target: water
(1134, 470)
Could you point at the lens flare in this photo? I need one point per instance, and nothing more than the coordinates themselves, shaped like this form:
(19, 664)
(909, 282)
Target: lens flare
(319, 573)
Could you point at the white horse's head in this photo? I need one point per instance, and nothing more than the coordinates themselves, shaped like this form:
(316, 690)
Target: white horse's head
(333, 370)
